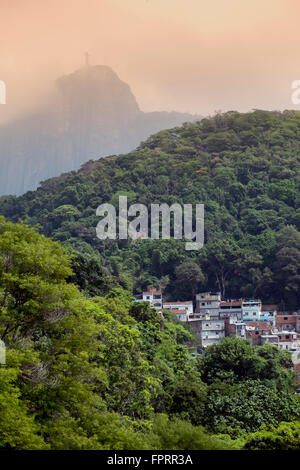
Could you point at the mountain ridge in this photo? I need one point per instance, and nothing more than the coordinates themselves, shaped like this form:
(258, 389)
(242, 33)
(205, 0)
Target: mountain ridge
(92, 114)
(244, 168)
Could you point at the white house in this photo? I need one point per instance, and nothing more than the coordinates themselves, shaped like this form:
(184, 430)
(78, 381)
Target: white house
(251, 310)
(154, 296)
(208, 303)
(288, 340)
(209, 330)
(179, 305)
(181, 315)
(231, 309)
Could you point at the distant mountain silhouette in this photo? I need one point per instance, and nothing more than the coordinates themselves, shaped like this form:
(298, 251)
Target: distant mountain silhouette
(93, 113)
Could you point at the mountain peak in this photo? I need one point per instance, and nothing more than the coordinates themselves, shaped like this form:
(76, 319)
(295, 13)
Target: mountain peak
(88, 72)
(93, 114)
(102, 87)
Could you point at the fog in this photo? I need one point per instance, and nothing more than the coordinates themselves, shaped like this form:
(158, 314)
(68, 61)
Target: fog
(190, 56)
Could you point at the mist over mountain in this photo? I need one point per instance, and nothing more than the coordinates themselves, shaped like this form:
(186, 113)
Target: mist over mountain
(92, 114)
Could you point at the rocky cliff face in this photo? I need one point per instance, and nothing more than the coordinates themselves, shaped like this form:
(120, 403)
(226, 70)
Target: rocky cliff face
(93, 114)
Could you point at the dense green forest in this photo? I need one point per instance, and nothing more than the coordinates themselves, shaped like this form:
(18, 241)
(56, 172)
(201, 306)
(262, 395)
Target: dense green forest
(104, 372)
(87, 368)
(245, 169)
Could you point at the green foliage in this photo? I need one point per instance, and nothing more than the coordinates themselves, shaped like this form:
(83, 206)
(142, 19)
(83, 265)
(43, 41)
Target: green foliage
(91, 369)
(248, 387)
(284, 191)
(69, 360)
(245, 168)
(18, 429)
(233, 360)
(247, 406)
(180, 435)
(188, 277)
(286, 436)
(86, 373)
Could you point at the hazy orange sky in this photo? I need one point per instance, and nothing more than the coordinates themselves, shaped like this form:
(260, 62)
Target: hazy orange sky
(194, 55)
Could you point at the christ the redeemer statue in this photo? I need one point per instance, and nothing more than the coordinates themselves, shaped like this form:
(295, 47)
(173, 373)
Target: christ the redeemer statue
(87, 59)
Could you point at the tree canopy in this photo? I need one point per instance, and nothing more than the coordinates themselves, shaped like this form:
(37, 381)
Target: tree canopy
(244, 168)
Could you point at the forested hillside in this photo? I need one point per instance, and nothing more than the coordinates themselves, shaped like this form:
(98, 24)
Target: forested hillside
(245, 168)
(107, 373)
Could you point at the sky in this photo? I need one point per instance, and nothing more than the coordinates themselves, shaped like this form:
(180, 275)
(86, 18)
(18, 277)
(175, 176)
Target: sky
(193, 56)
